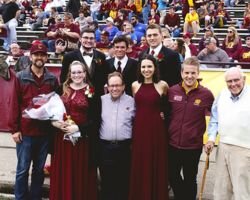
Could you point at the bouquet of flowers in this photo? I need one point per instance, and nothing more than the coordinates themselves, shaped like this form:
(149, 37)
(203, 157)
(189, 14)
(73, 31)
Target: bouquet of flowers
(73, 137)
(45, 107)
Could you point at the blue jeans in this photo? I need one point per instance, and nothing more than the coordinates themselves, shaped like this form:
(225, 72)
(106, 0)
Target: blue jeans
(30, 149)
(145, 13)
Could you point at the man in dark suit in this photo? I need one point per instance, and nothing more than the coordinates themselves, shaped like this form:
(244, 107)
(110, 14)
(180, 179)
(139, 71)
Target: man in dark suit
(93, 59)
(123, 64)
(169, 62)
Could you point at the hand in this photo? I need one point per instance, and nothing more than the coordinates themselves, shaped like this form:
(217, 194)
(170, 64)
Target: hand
(17, 137)
(58, 124)
(162, 115)
(70, 129)
(208, 147)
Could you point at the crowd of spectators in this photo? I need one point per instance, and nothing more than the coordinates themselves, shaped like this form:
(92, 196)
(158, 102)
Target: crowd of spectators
(67, 19)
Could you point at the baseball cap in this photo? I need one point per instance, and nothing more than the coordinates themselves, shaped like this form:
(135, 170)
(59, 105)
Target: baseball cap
(38, 48)
(110, 19)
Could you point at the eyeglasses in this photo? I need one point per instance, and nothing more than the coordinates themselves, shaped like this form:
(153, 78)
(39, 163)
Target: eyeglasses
(88, 38)
(133, 19)
(115, 86)
(248, 38)
(230, 31)
(77, 72)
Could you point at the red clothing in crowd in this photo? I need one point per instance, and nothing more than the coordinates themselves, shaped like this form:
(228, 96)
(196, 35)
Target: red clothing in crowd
(172, 20)
(231, 48)
(244, 56)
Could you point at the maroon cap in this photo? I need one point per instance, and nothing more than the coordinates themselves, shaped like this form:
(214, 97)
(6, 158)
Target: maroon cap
(38, 48)
(187, 35)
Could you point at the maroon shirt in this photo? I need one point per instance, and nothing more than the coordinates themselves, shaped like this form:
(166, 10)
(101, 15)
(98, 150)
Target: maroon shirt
(187, 116)
(172, 20)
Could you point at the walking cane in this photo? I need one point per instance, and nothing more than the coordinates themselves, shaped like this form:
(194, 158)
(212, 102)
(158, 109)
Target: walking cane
(204, 176)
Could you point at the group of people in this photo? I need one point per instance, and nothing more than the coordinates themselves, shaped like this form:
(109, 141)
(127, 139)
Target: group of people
(144, 134)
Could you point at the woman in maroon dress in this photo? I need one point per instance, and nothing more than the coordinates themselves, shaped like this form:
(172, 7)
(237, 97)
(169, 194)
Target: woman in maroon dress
(73, 176)
(149, 141)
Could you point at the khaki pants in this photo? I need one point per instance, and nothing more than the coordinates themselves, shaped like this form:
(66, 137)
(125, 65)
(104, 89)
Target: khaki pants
(232, 180)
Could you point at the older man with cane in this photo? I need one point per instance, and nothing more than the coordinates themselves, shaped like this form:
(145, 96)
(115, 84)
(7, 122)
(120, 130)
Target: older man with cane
(230, 117)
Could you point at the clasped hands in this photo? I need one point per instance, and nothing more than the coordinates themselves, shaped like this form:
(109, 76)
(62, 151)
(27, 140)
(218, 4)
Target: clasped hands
(65, 126)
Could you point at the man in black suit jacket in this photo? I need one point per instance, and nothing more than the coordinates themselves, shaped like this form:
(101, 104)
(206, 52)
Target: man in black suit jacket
(169, 61)
(93, 59)
(121, 63)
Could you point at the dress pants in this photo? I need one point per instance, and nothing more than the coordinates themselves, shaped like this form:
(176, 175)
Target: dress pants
(114, 169)
(184, 185)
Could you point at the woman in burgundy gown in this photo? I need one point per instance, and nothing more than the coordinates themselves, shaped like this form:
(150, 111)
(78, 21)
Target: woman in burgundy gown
(73, 176)
(148, 180)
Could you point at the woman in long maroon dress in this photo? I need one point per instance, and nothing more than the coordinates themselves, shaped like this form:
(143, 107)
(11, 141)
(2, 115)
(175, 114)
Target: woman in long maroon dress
(149, 141)
(73, 176)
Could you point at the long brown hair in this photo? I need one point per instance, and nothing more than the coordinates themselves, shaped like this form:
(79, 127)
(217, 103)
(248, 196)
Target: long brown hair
(66, 84)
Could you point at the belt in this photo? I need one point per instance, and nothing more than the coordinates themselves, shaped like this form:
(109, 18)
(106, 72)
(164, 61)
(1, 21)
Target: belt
(116, 142)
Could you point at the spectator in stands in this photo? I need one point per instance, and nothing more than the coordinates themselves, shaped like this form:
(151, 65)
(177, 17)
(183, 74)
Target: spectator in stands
(172, 22)
(202, 12)
(221, 16)
(244, 54)
(210, 17)
(128, 32)
(39, 17)
(60, 48)
(120, 19)
(27, 5)
(52, 17)
(104, 42)
(165, 33)
(161, 8)
(104, 10)
(85, 8)
(232, 43)
(73, 7)
(95, 26)
(154, 17)
(95, 8)
(246, 20)
(68, 31)
(145, 4)
(15, 51)
(229, 3)
(143, 45)
(111, 28)
(209, 32)
(191, 23)
(139, 28)
(130, 8)
(132, 51)
(188, 41)
(83, 22)
(182, 49)
(48, 7)
(59, 5)
(10, 12)
(212, 53)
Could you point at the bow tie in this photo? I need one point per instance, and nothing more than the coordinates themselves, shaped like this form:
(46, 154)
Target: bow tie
(87, 54)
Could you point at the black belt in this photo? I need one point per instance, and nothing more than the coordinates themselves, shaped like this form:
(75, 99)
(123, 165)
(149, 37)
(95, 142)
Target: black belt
(116, 142)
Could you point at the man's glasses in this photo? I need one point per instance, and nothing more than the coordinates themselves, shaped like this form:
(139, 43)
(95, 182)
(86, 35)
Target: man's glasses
(230, 31)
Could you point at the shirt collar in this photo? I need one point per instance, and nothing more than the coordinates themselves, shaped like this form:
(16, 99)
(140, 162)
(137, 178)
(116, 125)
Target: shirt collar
(123, 60)
(236, 98)
(156, 50)
(82, 50)
(186, 89)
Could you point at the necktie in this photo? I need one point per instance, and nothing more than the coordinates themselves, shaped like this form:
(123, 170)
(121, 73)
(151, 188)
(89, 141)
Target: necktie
(152, 53)
(87, 54)
(119, 68)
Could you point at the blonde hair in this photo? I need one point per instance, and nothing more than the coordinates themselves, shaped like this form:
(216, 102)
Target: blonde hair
(235, 37)
(66, 84)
